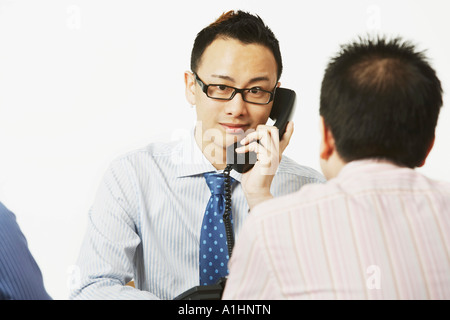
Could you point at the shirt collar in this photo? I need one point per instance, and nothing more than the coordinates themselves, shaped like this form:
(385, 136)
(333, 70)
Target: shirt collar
(358, 167)
(192, 161)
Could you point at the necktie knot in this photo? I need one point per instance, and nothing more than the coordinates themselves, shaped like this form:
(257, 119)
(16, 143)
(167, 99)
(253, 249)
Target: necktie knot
(216, 182)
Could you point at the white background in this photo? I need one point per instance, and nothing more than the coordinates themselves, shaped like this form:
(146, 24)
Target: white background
(82, 82)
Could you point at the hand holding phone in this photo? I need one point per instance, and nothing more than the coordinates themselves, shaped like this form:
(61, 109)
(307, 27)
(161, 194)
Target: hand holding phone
(267, 145)
(282, 111)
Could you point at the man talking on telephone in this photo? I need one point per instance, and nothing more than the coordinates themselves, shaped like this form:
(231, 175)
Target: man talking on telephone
(160, 222)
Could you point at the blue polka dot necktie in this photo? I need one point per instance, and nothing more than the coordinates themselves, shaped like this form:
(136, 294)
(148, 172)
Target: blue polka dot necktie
(213, 241)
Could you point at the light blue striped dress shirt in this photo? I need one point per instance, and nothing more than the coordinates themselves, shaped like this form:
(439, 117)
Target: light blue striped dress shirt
(146, 219)
(20, 276)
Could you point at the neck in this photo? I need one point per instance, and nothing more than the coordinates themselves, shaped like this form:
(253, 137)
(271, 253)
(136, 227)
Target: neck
(214, 153)
(332, 166)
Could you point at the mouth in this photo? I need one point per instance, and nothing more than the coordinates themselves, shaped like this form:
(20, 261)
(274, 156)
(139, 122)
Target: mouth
(233, 128)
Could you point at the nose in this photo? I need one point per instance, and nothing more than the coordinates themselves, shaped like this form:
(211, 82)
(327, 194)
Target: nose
(236, 106)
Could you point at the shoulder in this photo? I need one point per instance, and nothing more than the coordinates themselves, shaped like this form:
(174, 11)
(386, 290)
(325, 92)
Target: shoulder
(304, 200)
(5, 214)
(10, 233)
(290, 167)
(443, 186)
(291, 177)
(156, 152)
(440, 186)
(152, 150)
(8, 222)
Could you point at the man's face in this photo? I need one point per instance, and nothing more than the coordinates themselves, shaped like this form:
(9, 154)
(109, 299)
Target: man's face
(232, 63)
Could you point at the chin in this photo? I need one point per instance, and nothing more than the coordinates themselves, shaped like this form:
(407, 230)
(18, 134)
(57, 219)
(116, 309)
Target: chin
(232, 138)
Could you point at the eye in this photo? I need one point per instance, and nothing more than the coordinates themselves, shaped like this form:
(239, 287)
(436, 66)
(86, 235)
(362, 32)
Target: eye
(220, 91)
(255, 90)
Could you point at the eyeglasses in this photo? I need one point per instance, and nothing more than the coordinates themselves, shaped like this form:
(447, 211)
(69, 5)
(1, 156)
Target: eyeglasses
(223, 92)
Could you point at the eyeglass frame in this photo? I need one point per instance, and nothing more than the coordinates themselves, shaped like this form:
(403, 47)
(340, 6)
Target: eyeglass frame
(205, 87)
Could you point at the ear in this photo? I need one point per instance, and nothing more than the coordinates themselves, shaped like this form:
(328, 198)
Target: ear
(428, 152)
(189, 82)
(327, 144)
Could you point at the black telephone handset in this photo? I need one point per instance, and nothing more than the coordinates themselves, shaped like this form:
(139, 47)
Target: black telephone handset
(282, 110)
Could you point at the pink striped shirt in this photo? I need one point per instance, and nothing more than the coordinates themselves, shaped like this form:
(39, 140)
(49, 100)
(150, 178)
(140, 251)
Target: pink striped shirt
(377, 231)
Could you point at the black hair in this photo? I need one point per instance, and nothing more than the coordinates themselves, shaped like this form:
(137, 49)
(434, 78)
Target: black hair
(381, 99)
(239, 25)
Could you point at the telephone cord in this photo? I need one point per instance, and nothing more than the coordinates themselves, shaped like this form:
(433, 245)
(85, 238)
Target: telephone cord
(227, 213)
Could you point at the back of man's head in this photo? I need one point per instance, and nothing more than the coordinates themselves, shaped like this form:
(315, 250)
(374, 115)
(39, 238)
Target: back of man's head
(381, 99)
(239, 25)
